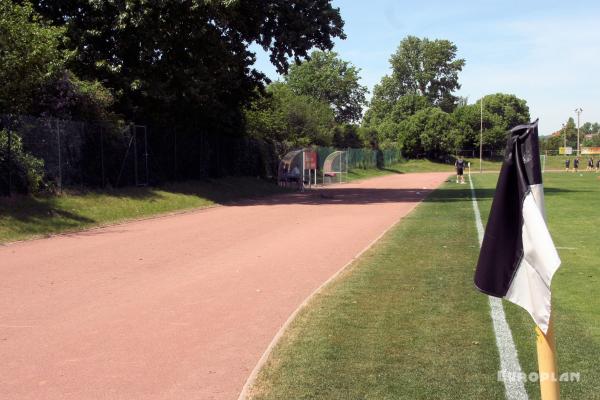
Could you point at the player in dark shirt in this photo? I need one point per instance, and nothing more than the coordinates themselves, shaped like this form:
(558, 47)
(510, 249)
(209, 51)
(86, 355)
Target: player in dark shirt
(576, 164)
(460, 169)
(567, 164)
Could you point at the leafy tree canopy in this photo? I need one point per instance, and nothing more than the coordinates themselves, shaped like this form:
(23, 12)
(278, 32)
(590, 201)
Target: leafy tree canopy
(29, 55)
(330, 79)
(188, 61)
(428, 68)
(347, 135)
(501, 112)
(430, 132)
(287, 117)
(424, 74)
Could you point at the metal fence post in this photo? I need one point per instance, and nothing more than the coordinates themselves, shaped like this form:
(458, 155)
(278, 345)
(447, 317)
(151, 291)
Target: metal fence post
(135, 153)
(175, 153)
(146, 155)
(102, 156)
(9, 160)
(59, 156)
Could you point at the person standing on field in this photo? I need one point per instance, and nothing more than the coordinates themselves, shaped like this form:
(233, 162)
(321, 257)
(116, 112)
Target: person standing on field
(567, 164)
(460, 169)
(576, 164)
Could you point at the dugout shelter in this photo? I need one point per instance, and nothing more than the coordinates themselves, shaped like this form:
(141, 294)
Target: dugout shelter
(298, 168)
(335, 167)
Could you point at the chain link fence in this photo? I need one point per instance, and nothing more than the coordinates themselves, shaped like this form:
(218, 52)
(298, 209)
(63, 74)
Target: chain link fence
(486, 154)
(113, 154)
(362, 158)
(73, 153)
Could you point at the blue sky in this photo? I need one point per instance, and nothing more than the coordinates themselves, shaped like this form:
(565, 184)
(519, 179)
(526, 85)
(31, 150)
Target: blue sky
(546, 52)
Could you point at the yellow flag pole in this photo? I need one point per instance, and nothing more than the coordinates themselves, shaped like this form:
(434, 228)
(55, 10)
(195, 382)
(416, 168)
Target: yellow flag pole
(546, 352)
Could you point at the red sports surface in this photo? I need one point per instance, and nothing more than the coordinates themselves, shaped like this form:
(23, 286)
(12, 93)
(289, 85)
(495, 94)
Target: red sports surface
(183, 306)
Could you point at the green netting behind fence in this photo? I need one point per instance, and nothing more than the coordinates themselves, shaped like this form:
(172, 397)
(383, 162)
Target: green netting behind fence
(363, 158)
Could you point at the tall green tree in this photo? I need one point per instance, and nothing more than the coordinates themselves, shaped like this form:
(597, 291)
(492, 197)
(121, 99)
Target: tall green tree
(188, 62)
(284, 116)
(29, 55)
(328, 78)
(430, 132)
(428, 68)
(424, 74)
(570, 129)
(385, 95)
(501, 112)
(347, 135)
(33, 74)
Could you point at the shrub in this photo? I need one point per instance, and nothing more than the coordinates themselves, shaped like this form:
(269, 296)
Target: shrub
(26, 171)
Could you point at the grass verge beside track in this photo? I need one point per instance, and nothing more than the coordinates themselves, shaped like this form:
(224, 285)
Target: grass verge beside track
(403, 322)
(24, 217)
(573, 213)
(421, 165)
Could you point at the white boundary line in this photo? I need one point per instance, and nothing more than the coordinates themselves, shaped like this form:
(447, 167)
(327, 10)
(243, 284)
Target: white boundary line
(263, 359)
(509, 359)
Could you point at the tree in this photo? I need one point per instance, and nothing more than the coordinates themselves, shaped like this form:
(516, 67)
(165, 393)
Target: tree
(594, 141)
(385, 95)
(428, 68)
(430, 132)
(501, 112)
(284, 116)
(424, 74)
(188, 63)
(467, 117)
(387, 124)
(328, 78)
(408, 105)
(369, 137)
(67, 97)
(29, 56)
(505, 110)
(551, 143)
(570, 130)
(345, 136)
(33, 72)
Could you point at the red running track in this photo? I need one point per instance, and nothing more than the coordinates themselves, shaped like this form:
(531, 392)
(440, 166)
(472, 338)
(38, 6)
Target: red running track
(179, 307)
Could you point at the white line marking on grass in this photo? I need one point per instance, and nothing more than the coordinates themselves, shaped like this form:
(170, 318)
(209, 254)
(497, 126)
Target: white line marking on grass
(509, 360)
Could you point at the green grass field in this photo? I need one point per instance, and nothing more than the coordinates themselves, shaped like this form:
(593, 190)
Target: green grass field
(573, 218)
(558, 162)
(420, 165)
(25, 217)
(405, 321)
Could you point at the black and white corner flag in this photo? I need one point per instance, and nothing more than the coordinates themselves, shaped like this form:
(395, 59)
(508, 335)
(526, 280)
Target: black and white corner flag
(518, 258)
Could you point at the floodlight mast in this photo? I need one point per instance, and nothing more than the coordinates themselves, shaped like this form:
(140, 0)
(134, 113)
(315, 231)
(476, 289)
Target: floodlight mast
(564, 128)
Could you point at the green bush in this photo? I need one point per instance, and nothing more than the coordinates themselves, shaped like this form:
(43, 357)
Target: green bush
(26, 171)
